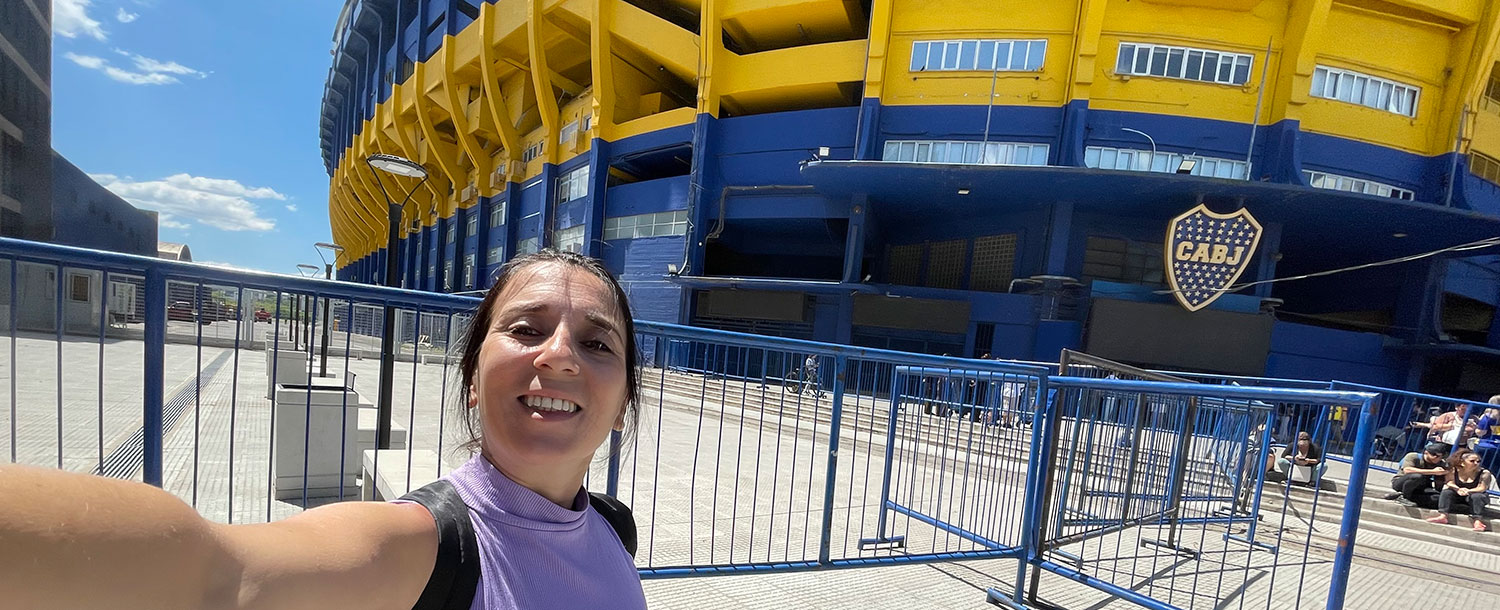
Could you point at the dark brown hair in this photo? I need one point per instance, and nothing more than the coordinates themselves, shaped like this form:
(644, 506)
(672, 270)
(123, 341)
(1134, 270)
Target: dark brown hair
(479, 327)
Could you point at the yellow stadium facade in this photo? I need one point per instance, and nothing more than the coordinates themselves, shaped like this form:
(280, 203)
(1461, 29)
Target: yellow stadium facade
(950, 176)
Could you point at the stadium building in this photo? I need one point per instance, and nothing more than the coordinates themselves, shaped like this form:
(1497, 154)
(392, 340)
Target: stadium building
(950, 176)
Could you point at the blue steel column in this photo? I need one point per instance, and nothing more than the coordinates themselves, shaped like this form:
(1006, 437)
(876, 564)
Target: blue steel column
(594, 205)
(854, 242)
(547, 217)
(826, 536)
(1359, 470)
(156, 340)
(1059, 236)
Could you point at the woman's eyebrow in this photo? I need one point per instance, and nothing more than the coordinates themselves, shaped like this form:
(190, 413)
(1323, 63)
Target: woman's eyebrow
(603, 322)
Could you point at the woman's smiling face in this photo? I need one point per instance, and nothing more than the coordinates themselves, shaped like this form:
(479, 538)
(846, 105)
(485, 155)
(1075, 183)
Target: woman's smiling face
(551, 378)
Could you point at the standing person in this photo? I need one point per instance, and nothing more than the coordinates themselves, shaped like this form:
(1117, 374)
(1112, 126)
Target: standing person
(1421, 474)
(548, 371)
(810, 380)
(1336, 424)
(1466, 480)
(1304, 453)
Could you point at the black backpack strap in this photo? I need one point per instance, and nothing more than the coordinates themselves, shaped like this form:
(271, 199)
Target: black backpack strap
(455, 575)
(619, 517)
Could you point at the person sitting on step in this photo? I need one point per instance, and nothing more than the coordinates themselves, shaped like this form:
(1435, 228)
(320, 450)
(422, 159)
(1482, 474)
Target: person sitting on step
(1468, 480)
(1306, 454)
(1419, 477)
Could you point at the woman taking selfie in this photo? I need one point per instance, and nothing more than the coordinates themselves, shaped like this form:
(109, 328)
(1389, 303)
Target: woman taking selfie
(548, 371)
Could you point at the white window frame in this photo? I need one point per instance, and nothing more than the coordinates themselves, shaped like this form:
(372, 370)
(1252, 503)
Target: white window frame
(468, 271)
(493, 256)
(978, 54)
(967, 152)
(530, 245)
(1159, 60)
(1138, 160)
(471, 227)
(497, 214)
(568, 239)
(533, 151)
(567, 135)
(1350, 184)
(448, 274)
(656, 224)
(452, 233)
(573, 185)
(1362, 89)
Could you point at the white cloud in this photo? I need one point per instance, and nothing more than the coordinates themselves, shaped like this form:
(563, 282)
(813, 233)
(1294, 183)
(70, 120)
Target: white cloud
(152, 66)
(235, 267)
(70, 19)
(152, 72)
(164, 220)
(87, 61)
(183, 199)
(291, 207)
(125, 17)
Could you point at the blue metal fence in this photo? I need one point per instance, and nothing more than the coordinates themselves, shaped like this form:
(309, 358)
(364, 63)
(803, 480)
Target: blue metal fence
(746, 459)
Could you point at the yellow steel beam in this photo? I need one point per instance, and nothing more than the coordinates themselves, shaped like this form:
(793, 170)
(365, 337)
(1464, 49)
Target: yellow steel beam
(494, 100)
(1089, 22)
(879, 44)
(710, 49)
(1471, 59)
(443, 153)
(601, 65)
(1306, 22)
(667, 45)
(572, 87)
(830, 62)
(458, 106)
(541, 78)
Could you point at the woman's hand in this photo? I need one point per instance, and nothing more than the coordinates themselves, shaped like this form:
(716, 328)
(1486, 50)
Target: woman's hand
(1462, 491)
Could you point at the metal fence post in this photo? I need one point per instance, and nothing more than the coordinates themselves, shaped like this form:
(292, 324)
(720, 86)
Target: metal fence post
(152, 366)
(612, 472)
(1038, 483)
(826, 537)
(1359, 470)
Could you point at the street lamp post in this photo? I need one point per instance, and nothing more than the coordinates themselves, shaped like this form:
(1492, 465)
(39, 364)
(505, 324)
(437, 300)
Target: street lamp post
(1148, 139)
(406, 168)
(308, 304)
(327, 275)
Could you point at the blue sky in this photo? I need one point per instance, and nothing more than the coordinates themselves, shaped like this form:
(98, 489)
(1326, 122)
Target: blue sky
(206, 111)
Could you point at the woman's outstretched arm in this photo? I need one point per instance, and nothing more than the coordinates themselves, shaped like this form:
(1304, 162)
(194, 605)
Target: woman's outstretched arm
(80, 541)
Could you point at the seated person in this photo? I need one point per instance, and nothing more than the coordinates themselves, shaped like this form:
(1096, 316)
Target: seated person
(1469, 481)
(1305, 453)
(1416, 482)
(1487, 430)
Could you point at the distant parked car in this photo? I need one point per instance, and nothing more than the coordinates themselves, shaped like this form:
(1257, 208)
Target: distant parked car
(182, 311)
(261, 315)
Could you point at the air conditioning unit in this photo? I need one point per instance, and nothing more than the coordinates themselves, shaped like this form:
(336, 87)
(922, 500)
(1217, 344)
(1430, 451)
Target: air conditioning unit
(469, 193)
(497, 178)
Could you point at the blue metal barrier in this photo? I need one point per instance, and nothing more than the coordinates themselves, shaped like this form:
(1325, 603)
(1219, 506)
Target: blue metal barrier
(737, 466)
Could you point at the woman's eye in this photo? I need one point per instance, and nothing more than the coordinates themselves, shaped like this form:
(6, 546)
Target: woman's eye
(525, 331)
(597, 345)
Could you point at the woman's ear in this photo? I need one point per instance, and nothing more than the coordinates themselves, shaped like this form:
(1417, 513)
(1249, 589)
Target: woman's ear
(473, 395)
(620, 420)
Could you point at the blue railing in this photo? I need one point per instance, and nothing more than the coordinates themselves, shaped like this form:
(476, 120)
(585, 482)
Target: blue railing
(739, 466)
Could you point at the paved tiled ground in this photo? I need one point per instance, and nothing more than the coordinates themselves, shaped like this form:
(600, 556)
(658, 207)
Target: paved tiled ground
(711, 482)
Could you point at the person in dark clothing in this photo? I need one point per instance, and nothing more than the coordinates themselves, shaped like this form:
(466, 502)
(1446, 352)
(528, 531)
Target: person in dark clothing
(1417, 481)
(1467, 481)
(1305, 453)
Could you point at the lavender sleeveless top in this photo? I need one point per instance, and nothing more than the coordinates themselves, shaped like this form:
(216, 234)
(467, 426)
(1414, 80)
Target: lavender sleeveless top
(536, 555)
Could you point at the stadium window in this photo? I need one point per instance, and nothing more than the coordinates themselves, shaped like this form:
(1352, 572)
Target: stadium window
(1335, 182)
(1370, 91)
(1135, 160)
(992, 263)
(452, 233)
(1491, 99)
(78, 285)
(978, 54)
(656, 224)
(448, 275)
(945, 264)
(493, 256)
(469, 271)
(528, 246)
(573, 185)
(1121, 260)
(1484, 166)
(904, 264)
(1186, 63)
(497, 214)
(961, 151)
(569, 239)
(567, 135)
(472, 227)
